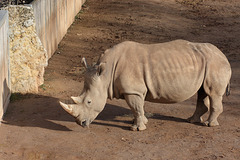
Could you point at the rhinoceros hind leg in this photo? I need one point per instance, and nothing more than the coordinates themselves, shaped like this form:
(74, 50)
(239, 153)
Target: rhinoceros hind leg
(201, 108)
(136, 104)
(216, 108)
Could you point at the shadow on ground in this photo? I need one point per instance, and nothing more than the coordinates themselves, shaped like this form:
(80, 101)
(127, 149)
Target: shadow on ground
(36, 111)
(45, 112)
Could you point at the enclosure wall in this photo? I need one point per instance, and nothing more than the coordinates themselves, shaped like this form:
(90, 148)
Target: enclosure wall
(53, 18)
(4, 63)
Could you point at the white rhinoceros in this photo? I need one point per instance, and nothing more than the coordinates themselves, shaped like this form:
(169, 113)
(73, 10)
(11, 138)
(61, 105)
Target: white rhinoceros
(168, 72)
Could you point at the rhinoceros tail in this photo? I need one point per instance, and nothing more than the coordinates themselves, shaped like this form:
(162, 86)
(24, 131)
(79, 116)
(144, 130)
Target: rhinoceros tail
(228, 89)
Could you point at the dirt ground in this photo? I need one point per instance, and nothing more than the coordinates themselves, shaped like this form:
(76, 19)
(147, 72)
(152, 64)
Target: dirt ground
(36, 127)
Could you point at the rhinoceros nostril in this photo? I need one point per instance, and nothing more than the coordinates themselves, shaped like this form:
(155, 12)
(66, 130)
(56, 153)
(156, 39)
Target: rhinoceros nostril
(84, 123)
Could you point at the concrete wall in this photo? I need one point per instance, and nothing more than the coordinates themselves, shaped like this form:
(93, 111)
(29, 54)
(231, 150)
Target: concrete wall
(53, 18)
(4, 63)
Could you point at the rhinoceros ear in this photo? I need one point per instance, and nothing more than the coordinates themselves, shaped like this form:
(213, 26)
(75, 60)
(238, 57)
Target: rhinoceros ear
(99, 58)
(76, 99)
(84, 62)
(101, 68)
(71, 109)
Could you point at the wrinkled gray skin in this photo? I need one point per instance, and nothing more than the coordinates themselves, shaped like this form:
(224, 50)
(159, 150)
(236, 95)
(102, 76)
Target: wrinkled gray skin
(163, 73)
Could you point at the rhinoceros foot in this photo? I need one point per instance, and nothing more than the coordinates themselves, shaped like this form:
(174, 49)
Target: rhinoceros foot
(211, 124)
(138, 128)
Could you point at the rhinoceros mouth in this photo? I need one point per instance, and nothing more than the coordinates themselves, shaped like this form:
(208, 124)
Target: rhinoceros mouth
(84, 123)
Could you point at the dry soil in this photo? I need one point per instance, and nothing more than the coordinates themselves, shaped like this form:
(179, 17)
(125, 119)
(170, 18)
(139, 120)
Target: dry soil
(36, 127)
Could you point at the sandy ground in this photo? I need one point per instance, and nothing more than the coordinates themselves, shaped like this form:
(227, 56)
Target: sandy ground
(36, 127)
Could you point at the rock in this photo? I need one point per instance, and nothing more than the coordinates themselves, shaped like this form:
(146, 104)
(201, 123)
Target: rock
(28, 58)
(28, 23)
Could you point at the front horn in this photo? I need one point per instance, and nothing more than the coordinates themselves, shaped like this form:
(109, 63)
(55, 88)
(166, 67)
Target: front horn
(69, 108)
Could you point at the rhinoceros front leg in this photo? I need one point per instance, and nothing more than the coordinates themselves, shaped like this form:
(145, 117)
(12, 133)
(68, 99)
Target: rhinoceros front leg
(136, 104)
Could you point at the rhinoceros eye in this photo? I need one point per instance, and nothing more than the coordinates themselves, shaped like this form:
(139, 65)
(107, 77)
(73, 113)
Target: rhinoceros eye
(89, 102)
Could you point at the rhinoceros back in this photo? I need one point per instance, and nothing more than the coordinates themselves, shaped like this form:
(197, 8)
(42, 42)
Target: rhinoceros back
(167, 72)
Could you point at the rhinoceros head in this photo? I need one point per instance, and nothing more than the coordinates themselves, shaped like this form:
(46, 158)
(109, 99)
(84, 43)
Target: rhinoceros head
(92, 99)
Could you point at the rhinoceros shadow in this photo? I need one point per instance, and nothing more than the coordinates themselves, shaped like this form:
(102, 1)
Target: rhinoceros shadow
(114, 116)
(110, 117)
(45, 112)
(36, 111)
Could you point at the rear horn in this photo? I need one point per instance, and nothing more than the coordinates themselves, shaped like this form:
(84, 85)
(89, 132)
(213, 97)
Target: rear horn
(69, 108)
(76, 99)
